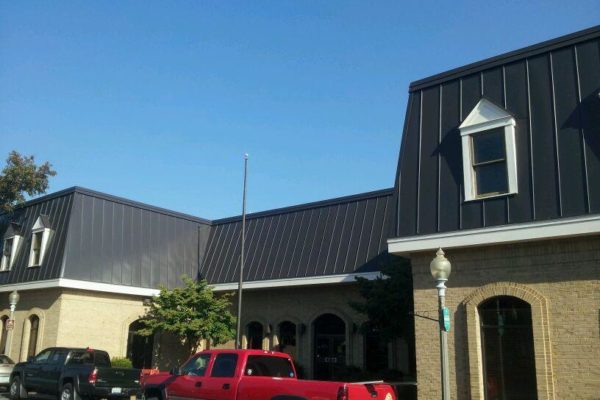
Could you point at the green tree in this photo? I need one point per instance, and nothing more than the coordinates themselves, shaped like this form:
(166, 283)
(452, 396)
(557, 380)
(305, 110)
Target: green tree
(388, 300)
(192, 313)
(22, 176)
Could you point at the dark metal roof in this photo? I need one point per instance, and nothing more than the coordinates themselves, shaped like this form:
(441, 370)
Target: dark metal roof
(506, 58)
(57, 208)
(331, 237)
(552, 89)
(116, 241)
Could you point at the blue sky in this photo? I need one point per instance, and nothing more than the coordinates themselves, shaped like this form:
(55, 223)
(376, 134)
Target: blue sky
(158, 101)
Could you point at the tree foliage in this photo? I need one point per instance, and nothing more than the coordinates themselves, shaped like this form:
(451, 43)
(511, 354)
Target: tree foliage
(388, 300)
(192, 313)
(22, 176)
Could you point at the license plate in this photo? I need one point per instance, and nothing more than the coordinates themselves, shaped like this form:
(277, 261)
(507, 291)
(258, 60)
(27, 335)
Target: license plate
(115, 390)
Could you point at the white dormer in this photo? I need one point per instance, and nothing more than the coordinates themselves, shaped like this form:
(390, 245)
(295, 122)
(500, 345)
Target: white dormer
(489, 153)
(40, 237)
(12, 241)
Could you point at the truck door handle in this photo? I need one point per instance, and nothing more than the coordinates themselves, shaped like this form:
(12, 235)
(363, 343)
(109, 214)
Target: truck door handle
(226, 386)
(198, 384)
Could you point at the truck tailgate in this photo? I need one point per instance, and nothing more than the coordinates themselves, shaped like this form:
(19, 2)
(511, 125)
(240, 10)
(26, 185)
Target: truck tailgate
(370, 390)
(118, 377)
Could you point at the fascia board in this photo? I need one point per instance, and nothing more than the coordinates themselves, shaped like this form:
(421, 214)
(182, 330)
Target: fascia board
(547, 230)
(148, 292)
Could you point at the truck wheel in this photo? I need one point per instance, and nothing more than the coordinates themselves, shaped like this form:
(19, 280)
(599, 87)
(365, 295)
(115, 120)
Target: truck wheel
(16, 388)
(152, 395)
(66, 393)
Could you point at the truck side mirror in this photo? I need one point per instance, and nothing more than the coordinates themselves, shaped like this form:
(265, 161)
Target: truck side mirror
(175, 371)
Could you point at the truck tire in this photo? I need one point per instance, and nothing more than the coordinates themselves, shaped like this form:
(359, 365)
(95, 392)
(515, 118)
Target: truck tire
(67, 392)
(152, 394)
(16, 390)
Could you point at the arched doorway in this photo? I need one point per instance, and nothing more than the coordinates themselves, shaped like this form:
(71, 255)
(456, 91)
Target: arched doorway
(507, 349)
(329, 346)
(34, 327)
(139, 348)
(287, 338)
(255, 334)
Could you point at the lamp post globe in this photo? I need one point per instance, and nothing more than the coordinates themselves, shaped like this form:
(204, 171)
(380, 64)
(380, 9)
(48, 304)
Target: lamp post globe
(13, 298)
(440, 266)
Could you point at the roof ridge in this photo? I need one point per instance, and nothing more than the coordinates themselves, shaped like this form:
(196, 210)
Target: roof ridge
(505, 58)
(305, 206)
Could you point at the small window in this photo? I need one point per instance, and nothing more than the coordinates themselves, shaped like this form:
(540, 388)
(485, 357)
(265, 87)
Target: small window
(36, 248)
(101, 359)
(224, 366)
(81, 358)
(269, 366)
(489, 154)
(489, 162)
(43, 357)
(7, 252)
(40, 238)
(196, 365)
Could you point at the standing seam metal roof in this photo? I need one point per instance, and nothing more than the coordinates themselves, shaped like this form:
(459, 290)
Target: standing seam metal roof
(338, 236)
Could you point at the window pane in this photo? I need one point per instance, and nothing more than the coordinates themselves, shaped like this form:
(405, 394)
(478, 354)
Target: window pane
(224, 366)
(491, 178)
(196, 366)
(489, 146)
(508, 353)
(269, 366)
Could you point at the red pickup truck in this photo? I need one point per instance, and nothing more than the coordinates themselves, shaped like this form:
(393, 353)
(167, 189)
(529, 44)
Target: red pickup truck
(251, 375)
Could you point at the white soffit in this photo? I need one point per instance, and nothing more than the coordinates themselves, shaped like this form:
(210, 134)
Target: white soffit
(555, 229)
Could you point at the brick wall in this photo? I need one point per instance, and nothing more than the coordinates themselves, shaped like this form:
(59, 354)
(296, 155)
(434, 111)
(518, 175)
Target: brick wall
(560, 278)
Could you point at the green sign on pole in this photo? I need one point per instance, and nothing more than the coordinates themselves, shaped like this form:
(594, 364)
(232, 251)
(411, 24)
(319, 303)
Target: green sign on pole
(446, 319)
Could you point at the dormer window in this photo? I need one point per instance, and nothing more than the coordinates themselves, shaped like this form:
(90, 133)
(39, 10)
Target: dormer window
(489, 155)
(12, 239)
(40, 237)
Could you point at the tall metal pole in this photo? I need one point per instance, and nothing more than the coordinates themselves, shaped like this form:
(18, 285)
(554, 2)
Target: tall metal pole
(238, 339)
(441, 287)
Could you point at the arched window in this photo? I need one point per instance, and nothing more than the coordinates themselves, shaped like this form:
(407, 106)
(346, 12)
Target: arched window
(287, 338)
(329, 346)
(507, 349)
(34, 326)
(255, 335)
(4, 334)
(139, 348)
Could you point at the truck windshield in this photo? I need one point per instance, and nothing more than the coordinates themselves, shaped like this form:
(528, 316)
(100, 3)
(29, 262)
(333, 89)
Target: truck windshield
(269, 366)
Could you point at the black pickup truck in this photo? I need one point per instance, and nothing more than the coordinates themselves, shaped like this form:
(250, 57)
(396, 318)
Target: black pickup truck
(73, 374)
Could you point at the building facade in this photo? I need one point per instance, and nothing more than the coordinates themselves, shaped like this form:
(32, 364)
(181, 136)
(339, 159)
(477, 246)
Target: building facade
(499, 165)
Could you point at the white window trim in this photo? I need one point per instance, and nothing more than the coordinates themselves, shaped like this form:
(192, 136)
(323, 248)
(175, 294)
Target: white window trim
(7, 265)
(485, 116)
(46, 234)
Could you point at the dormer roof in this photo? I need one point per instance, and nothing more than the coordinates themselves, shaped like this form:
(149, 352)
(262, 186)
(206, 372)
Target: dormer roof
(484, 113)
(42, 222)
(14, 229)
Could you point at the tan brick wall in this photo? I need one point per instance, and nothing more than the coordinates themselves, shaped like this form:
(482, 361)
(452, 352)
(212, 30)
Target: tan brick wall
(78, 318)
(43, 303)
(99, 320)
(300, 305)
(564, 274)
